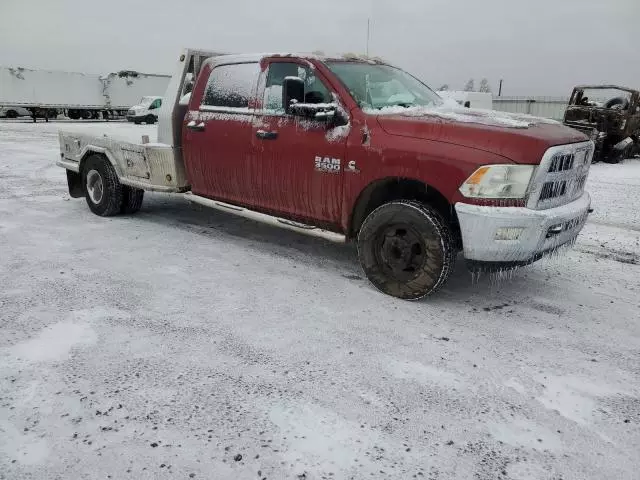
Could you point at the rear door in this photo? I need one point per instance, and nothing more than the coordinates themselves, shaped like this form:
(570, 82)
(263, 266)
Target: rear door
(217, 132)
(300, 161)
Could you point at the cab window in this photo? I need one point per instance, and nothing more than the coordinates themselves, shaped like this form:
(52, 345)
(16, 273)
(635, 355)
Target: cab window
(315, 91)
(231, 86)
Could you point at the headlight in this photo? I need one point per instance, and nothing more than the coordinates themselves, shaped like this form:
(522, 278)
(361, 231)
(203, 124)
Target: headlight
(498, 181)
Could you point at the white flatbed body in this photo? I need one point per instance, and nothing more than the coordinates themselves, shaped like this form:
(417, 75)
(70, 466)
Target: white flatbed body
(149, 166)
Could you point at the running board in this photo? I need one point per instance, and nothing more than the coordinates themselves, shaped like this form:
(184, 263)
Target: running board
(264, 218)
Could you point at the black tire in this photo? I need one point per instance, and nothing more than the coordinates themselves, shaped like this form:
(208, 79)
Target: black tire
(108, 202)
(406, 249)
(615, 157)
(150, 120)
(137, 122)
(131, 199)
(12, 114)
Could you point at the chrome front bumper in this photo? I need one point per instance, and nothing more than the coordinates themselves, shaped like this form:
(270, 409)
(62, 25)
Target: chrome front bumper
(507, 236)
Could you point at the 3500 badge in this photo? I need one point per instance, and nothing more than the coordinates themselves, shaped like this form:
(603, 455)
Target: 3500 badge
(327, 165)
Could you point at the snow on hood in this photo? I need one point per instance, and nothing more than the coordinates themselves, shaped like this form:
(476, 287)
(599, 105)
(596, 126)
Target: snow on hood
(466, 115)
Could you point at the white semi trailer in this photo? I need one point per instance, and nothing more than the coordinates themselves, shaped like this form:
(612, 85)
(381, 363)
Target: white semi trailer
(47, 93)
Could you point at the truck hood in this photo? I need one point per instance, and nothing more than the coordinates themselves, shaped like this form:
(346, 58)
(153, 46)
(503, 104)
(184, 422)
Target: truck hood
(520, 138)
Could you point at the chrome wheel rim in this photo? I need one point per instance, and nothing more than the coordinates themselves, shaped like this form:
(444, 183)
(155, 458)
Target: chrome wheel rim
(95, 186)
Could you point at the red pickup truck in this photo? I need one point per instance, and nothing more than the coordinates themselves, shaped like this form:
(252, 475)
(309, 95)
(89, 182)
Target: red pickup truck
(349, 149)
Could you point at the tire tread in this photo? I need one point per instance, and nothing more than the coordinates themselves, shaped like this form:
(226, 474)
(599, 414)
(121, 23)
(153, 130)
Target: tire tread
(441, 228)
(112, 186)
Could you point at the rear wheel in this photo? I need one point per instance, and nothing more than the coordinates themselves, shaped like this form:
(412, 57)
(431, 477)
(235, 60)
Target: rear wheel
(12, 114)
(406, 249)
(131, 199)
(102, 188)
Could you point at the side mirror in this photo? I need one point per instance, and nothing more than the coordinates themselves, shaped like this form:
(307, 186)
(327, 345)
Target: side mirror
(292, 92)
(294, 104)
(320, 112)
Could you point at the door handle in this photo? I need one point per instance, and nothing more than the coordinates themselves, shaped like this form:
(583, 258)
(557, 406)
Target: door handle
(266, 135)
(199, 127)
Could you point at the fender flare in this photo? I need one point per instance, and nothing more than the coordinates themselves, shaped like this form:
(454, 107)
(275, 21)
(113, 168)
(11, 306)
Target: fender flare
(89, 149)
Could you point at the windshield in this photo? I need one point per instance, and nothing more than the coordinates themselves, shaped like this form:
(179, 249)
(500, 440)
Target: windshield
(602, 97)
(375, 86)
(146, 101)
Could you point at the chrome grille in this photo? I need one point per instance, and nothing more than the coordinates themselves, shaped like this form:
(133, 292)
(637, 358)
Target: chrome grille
(562, 176)
(560, 163)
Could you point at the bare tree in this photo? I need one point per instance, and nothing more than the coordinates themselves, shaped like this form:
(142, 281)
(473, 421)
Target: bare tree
(470, 86)
(484, 86)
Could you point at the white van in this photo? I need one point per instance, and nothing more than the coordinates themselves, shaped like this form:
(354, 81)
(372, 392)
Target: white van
(146, 111)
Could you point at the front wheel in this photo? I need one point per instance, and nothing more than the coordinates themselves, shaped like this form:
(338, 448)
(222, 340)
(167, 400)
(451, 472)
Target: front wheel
(406, 249)
(102, 188)
(150, 120)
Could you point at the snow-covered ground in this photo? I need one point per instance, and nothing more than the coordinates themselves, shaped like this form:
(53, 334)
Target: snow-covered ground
(186, 343)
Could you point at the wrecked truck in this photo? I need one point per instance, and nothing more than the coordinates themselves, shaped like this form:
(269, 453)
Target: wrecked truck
(610, 115)
(349, 149)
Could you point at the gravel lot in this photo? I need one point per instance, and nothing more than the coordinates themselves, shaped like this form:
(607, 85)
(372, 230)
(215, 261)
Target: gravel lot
(187, 343)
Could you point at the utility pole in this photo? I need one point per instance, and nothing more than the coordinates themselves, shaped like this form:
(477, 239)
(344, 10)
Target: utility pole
(500, 88)
(368, 35)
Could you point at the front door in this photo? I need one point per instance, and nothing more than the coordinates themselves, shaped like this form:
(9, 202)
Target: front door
(217, 131)
(301, 161)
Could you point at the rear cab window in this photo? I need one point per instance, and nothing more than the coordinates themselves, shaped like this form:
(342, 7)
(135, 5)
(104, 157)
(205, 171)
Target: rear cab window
(231, 88)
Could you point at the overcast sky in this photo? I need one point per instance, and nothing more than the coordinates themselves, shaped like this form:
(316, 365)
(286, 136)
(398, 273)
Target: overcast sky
(539, 47)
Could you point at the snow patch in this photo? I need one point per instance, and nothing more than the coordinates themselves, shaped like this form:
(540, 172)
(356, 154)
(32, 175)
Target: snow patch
(525, 433)
(514, 384)
(22, 448)
(465, 115)
(424, 374)
(574, 398)
(55, 342)
(322, 439)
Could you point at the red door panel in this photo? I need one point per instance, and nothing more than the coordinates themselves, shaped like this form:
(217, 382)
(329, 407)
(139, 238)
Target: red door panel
(299, 162)
(301, 168)
(217, 133)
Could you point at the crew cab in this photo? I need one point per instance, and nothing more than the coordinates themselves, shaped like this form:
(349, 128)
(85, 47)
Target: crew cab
(349, 149)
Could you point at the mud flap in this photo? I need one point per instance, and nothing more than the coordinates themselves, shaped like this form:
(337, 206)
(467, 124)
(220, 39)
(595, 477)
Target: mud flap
(74, 181)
